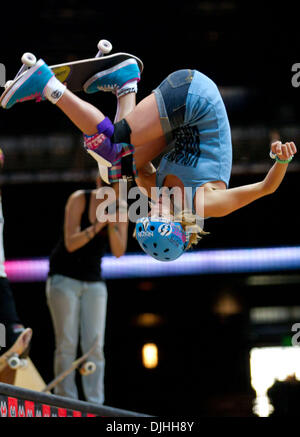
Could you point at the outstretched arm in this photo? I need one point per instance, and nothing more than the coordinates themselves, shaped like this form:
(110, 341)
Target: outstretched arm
(219, 203)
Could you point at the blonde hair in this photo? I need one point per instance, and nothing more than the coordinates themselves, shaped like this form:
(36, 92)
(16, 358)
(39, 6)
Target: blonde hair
(189, 224)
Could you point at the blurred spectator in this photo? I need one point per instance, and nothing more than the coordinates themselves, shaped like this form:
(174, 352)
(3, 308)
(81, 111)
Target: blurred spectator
(77, 293)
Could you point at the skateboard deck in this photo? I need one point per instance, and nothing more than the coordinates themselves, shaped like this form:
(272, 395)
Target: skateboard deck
(29, 377)
(75, 74)
(11, 358)
(79, 362)
(8, 375)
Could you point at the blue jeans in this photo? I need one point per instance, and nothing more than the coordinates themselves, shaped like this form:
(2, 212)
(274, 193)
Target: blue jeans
(78, 307)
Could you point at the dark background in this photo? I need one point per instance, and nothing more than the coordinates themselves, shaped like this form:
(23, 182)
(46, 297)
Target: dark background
(248, 49)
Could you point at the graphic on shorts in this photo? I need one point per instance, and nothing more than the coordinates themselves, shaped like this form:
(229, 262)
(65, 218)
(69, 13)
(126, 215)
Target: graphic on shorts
(187, 146)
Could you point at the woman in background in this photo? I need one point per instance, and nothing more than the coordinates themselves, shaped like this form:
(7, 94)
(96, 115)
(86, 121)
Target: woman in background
(77, 293)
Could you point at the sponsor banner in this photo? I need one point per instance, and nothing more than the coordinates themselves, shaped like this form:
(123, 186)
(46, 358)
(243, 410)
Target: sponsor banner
(29, 409)
(21, 409)
(62, 412)
(53, 412)
(3, 408)
(13, 407)
(77, 414)
(46, 411)
(38, 410)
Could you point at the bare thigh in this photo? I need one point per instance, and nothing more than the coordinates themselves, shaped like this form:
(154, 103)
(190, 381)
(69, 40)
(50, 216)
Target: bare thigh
(144, 122)
(148, 151)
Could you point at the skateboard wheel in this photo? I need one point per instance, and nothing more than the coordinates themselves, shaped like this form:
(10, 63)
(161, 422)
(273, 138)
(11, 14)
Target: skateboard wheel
(88, 368)
(28, 59)
(8, 83)
(14, 362)
(104, 46)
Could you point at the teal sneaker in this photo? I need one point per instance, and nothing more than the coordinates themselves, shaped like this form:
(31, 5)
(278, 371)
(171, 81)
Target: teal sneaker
(29, 86)
(115, 78)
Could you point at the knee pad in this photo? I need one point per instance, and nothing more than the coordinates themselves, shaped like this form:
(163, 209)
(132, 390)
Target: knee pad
(105, 130)
(125, 167)
(109, 133)
(101, 142)
(106, 127)
(122, 132)
(118, 132)
(112, 142)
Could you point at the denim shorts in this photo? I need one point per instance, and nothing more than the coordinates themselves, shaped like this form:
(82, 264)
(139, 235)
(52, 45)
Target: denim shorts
(171, 97)
(196, 126)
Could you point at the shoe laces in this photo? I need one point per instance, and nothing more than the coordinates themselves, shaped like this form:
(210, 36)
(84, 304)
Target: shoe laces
(108, 87)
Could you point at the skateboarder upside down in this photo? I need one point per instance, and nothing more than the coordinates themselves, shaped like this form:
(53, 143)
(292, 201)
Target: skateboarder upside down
(186, 110)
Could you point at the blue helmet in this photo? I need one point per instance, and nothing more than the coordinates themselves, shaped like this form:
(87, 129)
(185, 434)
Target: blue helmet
(163, 239)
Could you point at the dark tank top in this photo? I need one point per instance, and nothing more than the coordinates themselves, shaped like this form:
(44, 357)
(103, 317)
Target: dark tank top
(84, 263)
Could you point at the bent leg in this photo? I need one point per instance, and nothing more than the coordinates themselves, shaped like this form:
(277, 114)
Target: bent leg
(84, 115)
(145, 130)
(144, 119)
(125, 105)
(149, 151)
(144, 122)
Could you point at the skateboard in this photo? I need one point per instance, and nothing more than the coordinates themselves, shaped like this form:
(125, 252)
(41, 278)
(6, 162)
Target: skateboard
(12, 358)
(29, 377)
(8, 376)
(85, 367)
(76, 73)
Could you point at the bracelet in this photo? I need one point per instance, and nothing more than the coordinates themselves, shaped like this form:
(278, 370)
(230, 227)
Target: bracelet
(281, 161)
(284, 161)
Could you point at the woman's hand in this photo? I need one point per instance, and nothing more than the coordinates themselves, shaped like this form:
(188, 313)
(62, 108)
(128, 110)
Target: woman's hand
(283, 151)
(219, 203)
